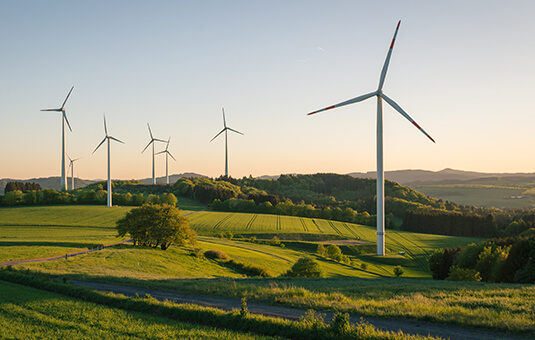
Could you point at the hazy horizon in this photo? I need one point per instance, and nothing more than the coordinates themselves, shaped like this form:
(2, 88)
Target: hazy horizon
(462, 70)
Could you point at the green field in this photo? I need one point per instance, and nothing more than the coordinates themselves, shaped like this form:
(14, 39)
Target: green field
(488, 196)
(28, 313)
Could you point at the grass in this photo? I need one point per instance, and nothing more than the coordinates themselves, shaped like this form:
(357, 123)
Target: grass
(480, 195)
(28, 313)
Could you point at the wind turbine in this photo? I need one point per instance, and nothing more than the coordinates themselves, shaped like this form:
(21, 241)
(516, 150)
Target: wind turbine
(108, 137)
(167, 154)
(71, 166)
(380, 172)
(225, 129)
(152, 140)
(63, 120)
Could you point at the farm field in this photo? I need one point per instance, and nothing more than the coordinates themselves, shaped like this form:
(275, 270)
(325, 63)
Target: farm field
(28, 313)
(487, 196)
(416, 247)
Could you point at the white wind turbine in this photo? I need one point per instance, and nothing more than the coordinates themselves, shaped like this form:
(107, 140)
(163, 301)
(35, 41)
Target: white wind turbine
(108, 137)
(63, 120)
(152, 140)
(167, 154)
(71, 166)
(225, 129)
(380, 172)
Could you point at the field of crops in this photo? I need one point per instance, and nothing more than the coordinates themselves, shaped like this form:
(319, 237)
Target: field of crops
(416, 247)
(480, 195)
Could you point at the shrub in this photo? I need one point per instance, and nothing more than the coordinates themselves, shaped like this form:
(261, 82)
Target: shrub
(249, 269)
(364, 266)
(313, 320)
(321, 250)
(216, 254)
(463, 274)
(398, 271)
(306, 267)
(333, 252)
(340, 323)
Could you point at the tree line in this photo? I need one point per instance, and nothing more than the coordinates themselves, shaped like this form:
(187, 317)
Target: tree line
(23, 187)
(510, 259)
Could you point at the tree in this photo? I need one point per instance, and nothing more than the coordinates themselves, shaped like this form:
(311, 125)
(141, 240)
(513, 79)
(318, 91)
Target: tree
(321, 250)
(398, 271)
(306, 267)
(334, 252)
(156, 225)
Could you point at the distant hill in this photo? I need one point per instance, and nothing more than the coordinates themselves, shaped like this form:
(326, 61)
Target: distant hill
(415, 178)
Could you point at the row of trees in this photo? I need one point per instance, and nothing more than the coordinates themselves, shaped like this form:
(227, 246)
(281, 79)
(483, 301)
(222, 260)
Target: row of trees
(498, 260)
(23, 187)
(51, 196)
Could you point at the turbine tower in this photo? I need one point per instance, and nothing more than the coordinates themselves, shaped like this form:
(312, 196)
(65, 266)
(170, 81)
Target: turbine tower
(167, 154)
(63, 120)
(225, 130)
(152, 140)
(380, 172)
(108, 137)
(71, 166)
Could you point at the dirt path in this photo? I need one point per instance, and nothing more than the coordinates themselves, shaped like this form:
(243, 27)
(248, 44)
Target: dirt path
(407, 326)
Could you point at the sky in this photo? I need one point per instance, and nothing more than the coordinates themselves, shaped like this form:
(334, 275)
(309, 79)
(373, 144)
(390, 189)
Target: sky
(462, 69)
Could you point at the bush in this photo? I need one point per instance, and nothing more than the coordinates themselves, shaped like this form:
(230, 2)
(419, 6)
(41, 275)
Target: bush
(306, 267)
(398, 271)
(249, 269)
(463, 274)
(333, 252)
(340, 323)
(313, 320)
(320, 250)
(216, 254)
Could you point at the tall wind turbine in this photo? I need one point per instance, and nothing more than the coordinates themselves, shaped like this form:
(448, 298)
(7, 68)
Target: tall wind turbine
(63, 120)
(167, 154)
(71, 166)
(380, 172)
(152, 140)
(108, 138)
(225, 130)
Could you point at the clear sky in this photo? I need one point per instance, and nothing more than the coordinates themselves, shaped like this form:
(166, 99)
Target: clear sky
(463, 70)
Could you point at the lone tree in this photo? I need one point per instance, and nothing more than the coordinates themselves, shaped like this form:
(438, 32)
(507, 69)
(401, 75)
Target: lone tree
(156, 225)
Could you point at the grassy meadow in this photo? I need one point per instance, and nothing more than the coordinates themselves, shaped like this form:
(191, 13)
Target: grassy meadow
(25, 232)
(29, 313)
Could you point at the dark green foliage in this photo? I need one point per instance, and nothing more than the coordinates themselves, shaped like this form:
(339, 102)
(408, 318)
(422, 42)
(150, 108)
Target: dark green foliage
(313, 320)
(23, 187)
(244, 312)
(320, 251)
(497, 260)
(306, 267)
(398, 271)
(440, 262)
(156, 225)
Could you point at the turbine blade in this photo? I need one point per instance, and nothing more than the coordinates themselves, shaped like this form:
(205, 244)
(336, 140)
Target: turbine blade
(235, 131)
(157, 153)
(105, 127)
(171, 155)
(159, 140)
(387, 60)
(218, 134)
(224, 120)
(67, 97)
(147, 146)
(350, 101)
(168, 141)
(115, 139)
(404, 114)
(99, 144)
(65, 117)
(56, 110)
(150, 132)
